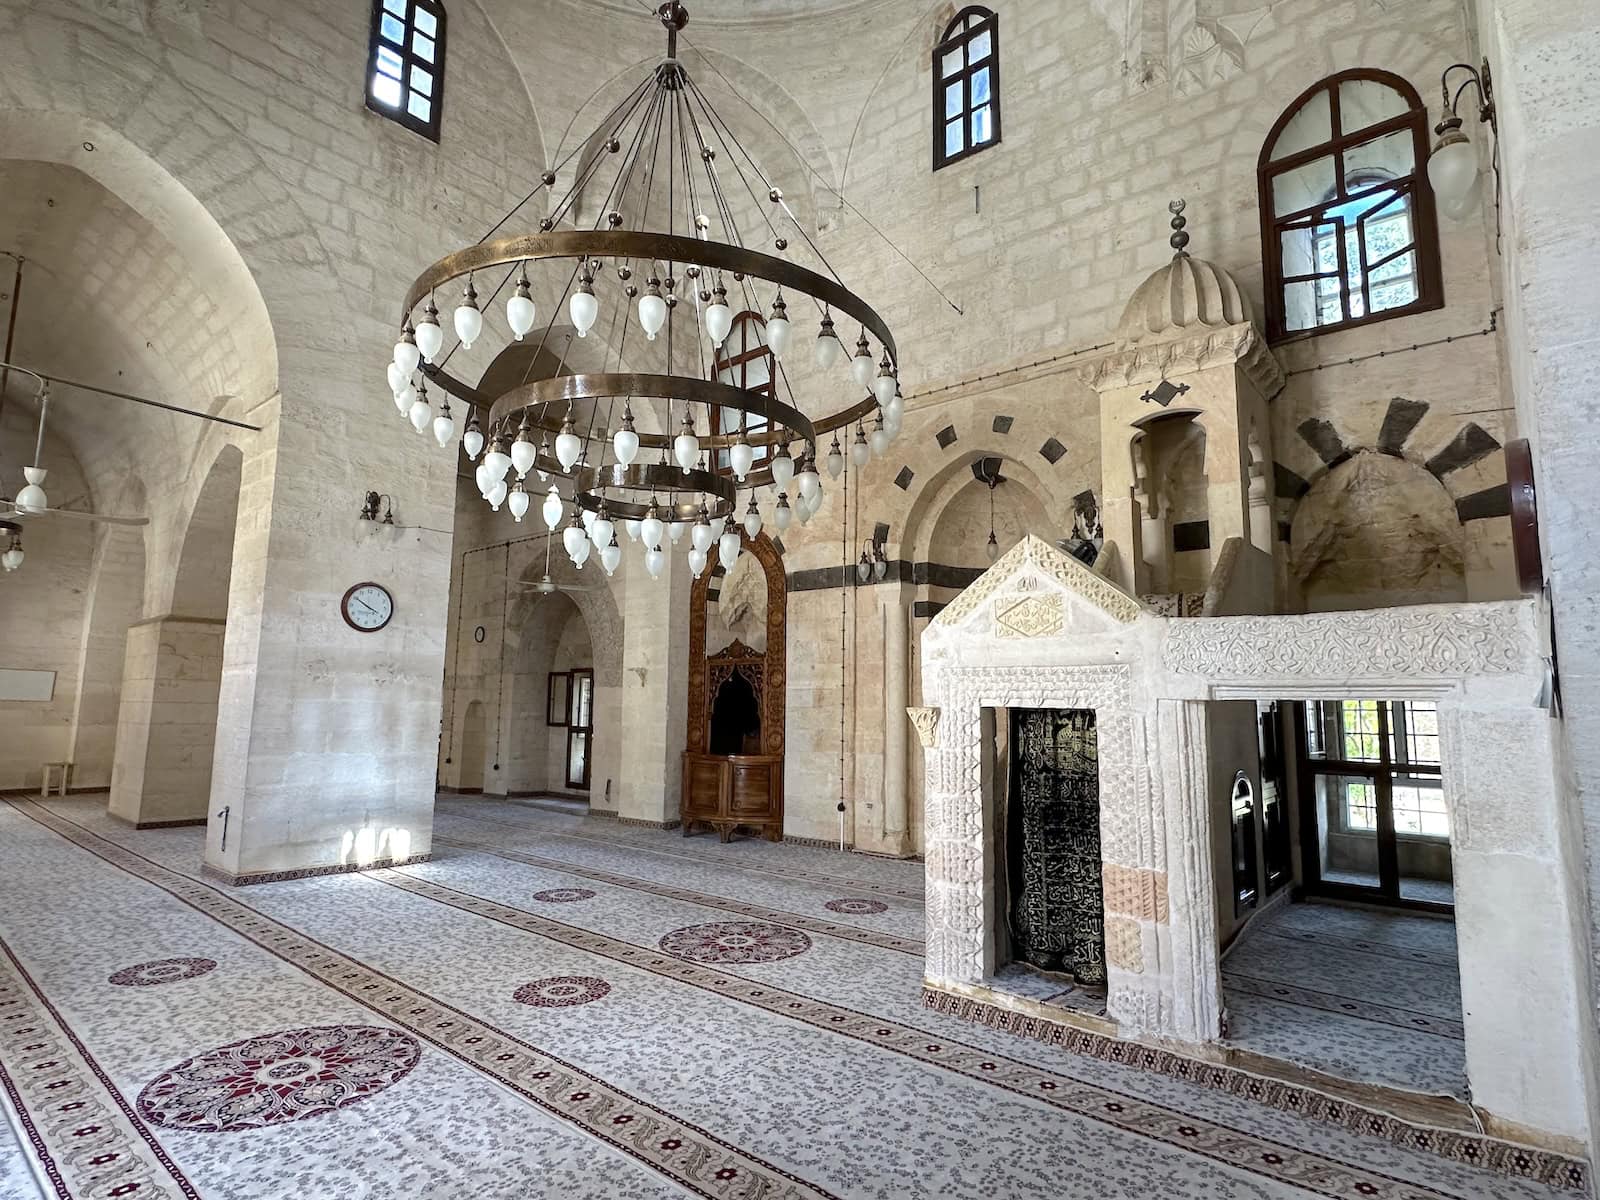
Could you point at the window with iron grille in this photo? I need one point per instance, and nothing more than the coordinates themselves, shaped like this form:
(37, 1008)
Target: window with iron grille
(966, 87)
(405, 71)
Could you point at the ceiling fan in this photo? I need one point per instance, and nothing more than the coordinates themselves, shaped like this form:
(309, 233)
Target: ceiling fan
(546, 586)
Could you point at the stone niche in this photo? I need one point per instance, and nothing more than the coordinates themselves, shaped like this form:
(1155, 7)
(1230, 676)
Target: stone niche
(1039, 630)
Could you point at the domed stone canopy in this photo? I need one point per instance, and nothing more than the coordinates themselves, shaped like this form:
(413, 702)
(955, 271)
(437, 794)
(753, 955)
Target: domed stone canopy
(1186, 296)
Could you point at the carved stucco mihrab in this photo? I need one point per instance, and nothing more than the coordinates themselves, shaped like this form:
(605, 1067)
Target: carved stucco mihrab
(926, 722)
(1436, 640)
(1028, 617)
(1032, 555)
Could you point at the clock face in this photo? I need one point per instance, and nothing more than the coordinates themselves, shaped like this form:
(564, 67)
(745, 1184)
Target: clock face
(367, 607)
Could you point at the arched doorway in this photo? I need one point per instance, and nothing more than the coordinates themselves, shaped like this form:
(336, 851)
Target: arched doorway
(172, 670)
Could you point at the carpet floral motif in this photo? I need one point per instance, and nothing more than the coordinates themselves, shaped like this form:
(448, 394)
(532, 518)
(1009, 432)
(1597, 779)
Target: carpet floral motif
(563, 895)
(735, 942)
(278, 1077)
(161, 970)
(561, 991)
(856, 907)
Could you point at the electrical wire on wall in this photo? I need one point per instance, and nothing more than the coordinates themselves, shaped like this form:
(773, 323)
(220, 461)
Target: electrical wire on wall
(844, 657)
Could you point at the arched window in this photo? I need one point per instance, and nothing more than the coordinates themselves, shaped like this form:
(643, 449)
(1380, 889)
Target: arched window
(966, 87)
(744, 361)
(1348, 230)
(405, 69)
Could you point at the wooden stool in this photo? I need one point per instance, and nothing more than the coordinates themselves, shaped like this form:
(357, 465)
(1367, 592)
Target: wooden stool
(49, 769)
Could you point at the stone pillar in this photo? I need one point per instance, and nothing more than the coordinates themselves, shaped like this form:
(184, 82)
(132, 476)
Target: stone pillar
(167, 721)
(655, 680)
(896, 693)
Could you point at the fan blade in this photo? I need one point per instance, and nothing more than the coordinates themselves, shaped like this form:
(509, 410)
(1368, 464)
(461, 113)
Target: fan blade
(12, 509)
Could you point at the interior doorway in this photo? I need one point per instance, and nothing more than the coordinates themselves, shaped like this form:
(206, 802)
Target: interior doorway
(1374, 824)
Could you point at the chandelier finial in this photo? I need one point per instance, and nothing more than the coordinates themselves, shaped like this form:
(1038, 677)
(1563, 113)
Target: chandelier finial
(1179, 238)
(674, 16)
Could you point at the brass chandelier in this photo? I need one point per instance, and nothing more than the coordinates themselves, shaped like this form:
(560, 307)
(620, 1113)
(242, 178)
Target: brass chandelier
(666, 274)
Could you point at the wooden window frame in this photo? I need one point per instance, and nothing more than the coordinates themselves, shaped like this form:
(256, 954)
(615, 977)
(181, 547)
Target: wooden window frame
(574, 730)
(956, 35)
(722, 361)
(409, 59)
(555, 716)
(1424, 214)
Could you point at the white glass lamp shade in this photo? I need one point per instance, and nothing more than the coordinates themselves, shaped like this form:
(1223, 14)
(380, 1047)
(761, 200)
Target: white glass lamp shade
(602, 532)
(518, 503)
(631, 528)
(522, 454)
(894, 406)
(406, 355)
(675, 531)
(702, 535)
(430, 338)
(469, 320)
(835, 460)
(610, 556)
(586, 517)
(444, 428)
(404, 399)
(569, 447)
(652, 311)
(891, 423)
(883, 387)
(752, 521)
(625, 444)
(686, 448)
(498, 462)
(810, 484)
(421, 414)
(12, 558)
(828, 349)
(583, 308)
(802, 509)
(484, 482)
(1452, 170)
(582, 556)
(863, 568)
(860, 450)
(497, 495)
(654, 561)
(553, 509)
(573, 538)
(651, 531)
(993, 548)
(861, 367)
(741, 457)
(782, 514)
(521, 312)
(697, 562)
(782, 468)
(472, 441)
(728, 548)
(718, 322)
(879, 441)
(31, 499)
(397, 379)
(779, 334)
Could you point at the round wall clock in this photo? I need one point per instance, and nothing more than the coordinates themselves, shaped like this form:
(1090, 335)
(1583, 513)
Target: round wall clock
(367, 607)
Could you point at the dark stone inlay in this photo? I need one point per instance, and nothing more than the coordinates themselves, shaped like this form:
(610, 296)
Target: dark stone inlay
(926, 608)
(1491, 502)
(1467, 447)
(1002, 424)
(1053, 451)
(1322, 437)
(1287, 484)
(1398, 423)
(946, 437)
(880, 533)
(1284, 530)
(1191, 535)
(903, 480)
(938, 575)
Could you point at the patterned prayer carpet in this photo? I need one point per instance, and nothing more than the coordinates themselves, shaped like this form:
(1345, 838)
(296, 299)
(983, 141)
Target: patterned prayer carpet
(565, 1007)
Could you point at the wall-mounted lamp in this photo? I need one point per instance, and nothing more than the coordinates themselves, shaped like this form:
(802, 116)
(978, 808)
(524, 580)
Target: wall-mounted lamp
(1453, 164)
(369, 510)
(11, 557)
(873, 563)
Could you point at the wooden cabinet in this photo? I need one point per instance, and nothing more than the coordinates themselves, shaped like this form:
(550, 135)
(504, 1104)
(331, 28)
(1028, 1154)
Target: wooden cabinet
(733, 791)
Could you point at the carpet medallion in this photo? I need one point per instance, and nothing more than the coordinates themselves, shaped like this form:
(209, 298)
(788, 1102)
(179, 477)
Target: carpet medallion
(735, 942)
(161, 970)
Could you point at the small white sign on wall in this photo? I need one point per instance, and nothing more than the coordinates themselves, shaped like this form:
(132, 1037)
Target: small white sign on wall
(17, 684)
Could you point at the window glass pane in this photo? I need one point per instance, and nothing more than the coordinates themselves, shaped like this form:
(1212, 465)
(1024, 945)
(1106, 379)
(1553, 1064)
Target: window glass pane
(426, 22)
(1304, 187)
(1360, 804)
(397, 7)
(756, 375)
(951, 63)
(1392, 156)
(1394, 285)
(1299, 306)
(422, 47)
(421, 81)
(978, 48)
(952, 138)
(420, 107)
(393, 30)
(577, 751)
(386, 90)
(982, 126)
(1311, 126)
(980, 87)
(388, 61)
(1364, 102)
(952, 99)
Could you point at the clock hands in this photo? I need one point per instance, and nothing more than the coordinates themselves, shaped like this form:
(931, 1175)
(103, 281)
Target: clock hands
(365, 605)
